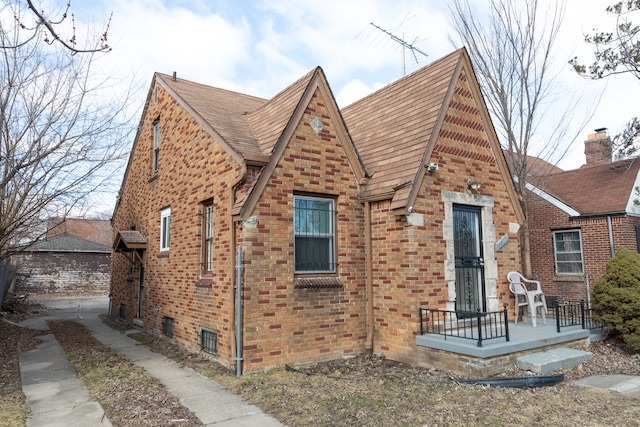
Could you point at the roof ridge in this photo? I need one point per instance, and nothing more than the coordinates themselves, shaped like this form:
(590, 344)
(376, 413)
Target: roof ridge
(193, 82)
(400, 80)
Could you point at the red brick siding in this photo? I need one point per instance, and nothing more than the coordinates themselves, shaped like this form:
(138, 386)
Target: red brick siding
(544, 218)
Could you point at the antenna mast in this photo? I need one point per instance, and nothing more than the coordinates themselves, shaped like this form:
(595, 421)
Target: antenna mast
(404, 44)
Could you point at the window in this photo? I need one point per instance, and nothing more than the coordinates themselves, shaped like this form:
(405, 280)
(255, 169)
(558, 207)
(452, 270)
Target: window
(567, 250)
(314, 247)
(208, 341)
(156, 145)
(165, 226)
(207, 237)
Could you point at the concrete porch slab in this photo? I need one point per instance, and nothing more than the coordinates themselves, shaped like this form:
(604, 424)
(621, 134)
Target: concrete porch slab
(552, 360)
(522, 337)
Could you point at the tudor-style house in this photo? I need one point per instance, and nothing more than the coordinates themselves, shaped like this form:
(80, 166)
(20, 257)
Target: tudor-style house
(332, 225)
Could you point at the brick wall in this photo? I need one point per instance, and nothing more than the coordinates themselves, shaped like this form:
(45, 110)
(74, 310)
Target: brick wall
(410, 261)
(545, 218)
(61, 274)
(283, 323)
(192, 169)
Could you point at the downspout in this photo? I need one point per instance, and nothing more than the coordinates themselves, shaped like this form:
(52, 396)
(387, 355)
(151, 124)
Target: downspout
(613, 251)
(239, 313)
(232, 304)
(369, 275)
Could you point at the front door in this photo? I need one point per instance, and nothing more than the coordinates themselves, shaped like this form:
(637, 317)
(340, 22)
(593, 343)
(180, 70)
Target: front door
(467, 232)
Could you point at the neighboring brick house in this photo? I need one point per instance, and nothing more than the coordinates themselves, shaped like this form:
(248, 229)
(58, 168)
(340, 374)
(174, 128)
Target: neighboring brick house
(74, 259)
(579, 218)
(347, 220)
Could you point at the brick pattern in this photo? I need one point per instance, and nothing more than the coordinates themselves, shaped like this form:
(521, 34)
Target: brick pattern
(545, 218)
(409, 261)
(285, 323)
(192, 168)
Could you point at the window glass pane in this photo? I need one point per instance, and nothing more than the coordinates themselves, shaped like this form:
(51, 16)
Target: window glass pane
(568, 252)
(165, 229)
(314, 234)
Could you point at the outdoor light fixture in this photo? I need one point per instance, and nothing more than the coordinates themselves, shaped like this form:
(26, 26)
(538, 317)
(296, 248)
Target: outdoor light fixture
(473, 185)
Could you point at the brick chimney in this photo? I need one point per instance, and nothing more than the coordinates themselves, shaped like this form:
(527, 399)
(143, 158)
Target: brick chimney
(597, 148)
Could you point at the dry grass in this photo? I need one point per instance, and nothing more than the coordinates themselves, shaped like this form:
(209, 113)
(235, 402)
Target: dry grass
(373, 391)
(13, 341)
(364, 391)
(127, 393)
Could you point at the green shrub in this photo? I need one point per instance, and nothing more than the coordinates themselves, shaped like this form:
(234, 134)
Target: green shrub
(616, 297)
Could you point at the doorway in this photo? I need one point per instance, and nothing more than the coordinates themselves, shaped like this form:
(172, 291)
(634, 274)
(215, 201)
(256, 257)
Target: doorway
(469, 261)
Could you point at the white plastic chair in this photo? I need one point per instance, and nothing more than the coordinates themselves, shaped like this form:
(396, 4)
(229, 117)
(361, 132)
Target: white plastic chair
(533, 298)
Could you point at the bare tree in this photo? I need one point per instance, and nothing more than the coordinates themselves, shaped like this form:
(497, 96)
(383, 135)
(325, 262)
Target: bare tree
(617, 52)
(63, 132)
(49, 30)
(511, 47)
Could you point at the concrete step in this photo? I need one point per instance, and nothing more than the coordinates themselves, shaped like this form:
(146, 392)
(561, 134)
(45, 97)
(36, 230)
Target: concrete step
(552, 360)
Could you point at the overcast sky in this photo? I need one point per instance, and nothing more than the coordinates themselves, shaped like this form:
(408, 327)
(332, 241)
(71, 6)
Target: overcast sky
(260, 47)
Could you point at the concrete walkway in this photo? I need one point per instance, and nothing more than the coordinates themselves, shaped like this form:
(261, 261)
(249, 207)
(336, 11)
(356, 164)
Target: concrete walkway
(58, 398)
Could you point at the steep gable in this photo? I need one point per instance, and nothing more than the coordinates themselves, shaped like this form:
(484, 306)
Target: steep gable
(221, 112)
(277, 137)
(397, 128)
(392, 127)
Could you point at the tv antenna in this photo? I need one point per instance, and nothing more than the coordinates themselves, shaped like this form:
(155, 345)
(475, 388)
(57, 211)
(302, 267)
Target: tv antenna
(405, 46)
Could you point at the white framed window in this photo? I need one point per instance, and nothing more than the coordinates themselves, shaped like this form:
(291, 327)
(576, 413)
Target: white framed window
(567, 251)
(165, 228)
(314, 235)
(156, 146)
(207, 236)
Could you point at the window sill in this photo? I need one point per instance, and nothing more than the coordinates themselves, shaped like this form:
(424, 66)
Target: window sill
(205, 283)
(163, 254)
(153, 178)
(317, 283)
(569, 278)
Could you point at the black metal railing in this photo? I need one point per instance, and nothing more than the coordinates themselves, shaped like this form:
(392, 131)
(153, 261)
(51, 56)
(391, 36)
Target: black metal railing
(478, 326)
(574, 313)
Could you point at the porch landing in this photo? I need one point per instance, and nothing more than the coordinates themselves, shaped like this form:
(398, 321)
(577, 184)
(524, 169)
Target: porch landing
(523, 337)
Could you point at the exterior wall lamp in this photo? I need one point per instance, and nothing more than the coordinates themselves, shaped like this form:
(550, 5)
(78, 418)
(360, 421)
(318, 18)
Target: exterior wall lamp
(473, 185)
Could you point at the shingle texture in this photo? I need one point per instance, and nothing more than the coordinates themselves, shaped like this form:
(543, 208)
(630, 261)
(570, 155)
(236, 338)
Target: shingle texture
(593, 190)
(69, 243)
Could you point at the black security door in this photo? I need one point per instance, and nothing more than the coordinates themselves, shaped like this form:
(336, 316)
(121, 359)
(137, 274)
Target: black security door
(467, 232)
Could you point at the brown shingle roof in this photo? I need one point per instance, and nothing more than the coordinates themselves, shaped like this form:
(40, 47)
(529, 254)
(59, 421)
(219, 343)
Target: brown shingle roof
(593, 190)
(270, 119)
(224, 110)
(391, 127)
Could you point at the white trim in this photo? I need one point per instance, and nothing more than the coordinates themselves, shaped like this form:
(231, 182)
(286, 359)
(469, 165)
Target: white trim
(555, 202)
(165, 214)
(632, 208)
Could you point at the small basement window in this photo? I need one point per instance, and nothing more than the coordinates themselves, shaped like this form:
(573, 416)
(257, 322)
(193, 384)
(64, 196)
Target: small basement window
(208, 341)
(167, 327)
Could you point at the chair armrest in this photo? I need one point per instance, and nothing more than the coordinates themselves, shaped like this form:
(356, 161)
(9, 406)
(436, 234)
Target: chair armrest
(536, 282)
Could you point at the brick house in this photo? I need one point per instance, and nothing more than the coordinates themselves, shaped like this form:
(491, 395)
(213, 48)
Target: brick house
(344, 221)
(580, 218)
(74, 259)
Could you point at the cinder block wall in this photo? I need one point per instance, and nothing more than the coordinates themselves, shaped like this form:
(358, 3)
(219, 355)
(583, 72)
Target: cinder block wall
(61, 274)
